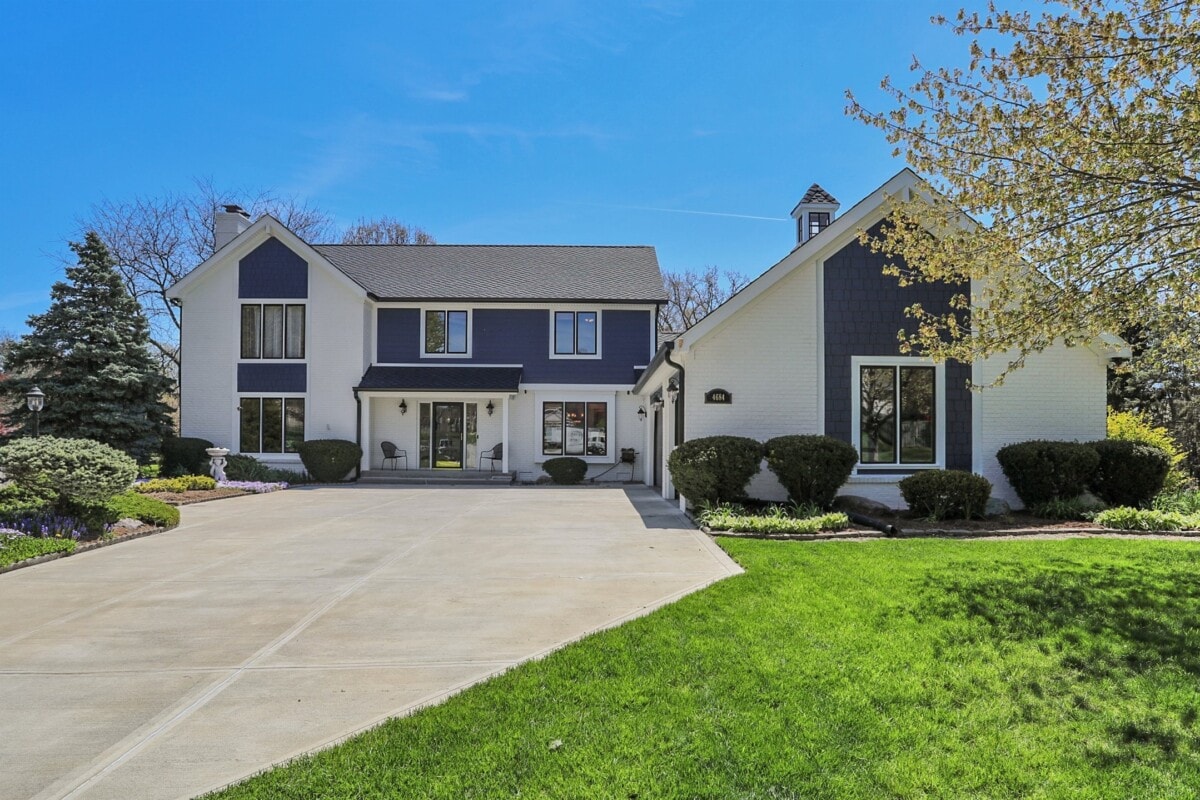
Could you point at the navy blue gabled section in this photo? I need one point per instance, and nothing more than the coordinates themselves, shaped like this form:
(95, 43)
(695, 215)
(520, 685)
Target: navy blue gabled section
(258, 377)
(272, 270)
(522, 336)
(442, 379)
(864, 310)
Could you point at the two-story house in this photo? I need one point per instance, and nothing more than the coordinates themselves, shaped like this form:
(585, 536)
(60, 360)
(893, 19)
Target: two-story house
(444, 351)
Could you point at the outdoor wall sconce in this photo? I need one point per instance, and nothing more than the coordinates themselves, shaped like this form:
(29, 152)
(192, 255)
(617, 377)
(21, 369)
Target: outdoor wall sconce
(491, 409)
(403, 407)
(641, 413)
(673, 391)
(35, 399)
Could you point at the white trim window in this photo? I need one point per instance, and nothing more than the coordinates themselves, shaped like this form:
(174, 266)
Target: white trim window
(898, 418)
(574, 334)
(272, 331)
(574, 428)
(446, 332)
(270, 424)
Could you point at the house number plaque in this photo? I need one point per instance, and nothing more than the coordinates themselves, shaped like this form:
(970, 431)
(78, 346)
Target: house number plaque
(718, 396)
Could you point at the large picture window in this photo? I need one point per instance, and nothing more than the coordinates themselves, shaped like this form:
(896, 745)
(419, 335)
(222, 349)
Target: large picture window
(446, 332)
(272, 330)
(574, 429)
(576, 333)
(897, 415)
(271, 424)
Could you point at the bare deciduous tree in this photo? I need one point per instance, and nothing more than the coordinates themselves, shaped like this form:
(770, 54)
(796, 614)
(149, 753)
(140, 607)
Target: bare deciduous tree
(385, 230)
(692, 295)
(156, 240)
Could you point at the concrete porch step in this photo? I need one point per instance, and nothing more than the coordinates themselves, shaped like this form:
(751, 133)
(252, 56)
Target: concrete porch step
(426, 477)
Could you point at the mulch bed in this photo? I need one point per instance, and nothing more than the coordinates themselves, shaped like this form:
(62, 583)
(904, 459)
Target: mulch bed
(195, 495)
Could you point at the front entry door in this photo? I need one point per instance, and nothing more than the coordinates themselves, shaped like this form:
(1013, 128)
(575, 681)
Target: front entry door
(448, 435)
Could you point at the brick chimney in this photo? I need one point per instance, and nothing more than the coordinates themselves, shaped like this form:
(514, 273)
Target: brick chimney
(228, 222)
(813, 214)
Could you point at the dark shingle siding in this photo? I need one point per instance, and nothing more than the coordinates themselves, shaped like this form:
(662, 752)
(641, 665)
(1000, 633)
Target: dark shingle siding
(501, 272)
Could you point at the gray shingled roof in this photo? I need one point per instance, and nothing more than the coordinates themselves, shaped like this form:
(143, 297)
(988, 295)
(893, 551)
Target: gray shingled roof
(442, 379)
(816, 194)
(500, 272)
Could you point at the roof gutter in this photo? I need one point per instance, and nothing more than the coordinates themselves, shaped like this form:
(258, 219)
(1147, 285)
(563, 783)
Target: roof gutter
(357, 431)
(679, 398)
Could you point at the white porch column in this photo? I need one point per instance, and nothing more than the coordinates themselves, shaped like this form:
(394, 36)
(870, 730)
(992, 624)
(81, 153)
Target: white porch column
(504, 435)
(365, 433)
(647, 443)
(668, 444)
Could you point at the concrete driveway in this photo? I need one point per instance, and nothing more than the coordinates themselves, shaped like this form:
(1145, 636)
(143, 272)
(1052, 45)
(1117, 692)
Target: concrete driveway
(268, 626)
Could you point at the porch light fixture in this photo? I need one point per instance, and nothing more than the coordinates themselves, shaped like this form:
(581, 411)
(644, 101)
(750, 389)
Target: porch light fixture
(673, 391)
(491, 409)
(403, 407)
(35, 399)
(641, 413)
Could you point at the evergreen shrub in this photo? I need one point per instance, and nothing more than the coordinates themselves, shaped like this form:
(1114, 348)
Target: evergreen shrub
(184, 455)
(946, 493)
(811, 468)
(329, 460)
(1040, 471)
(71, 470)
(565, 470)
(715, 469)
(1130, 473)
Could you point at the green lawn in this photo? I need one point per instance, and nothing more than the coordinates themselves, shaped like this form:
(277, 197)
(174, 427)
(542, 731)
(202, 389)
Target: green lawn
(902, 669)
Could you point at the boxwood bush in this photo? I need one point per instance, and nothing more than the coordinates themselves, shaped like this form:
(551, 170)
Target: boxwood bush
(715, 469)
(71, 470)
(811, 468)
(184, 455)
(566, 470)
(329, 460)
(1130, 473)
(1041, 471)
(132, 505)
(946, 493)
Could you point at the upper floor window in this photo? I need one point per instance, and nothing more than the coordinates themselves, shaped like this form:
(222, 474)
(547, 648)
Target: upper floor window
(446, 333)
(897, 417)
(272, 330)
(576, 333)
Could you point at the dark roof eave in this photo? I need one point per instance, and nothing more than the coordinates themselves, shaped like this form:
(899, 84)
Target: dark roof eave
(658, 301)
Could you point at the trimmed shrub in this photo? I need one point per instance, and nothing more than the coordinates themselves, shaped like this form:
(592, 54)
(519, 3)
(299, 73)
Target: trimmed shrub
(946, 493)
(147, 509)
(329, 460)
(1133, 426)
(73, 470)
(715, 469)
(18, 501)
(245, 468)
(1040, 471)
(811, 468)
(565, 470)
(1130, 473)
(184, 455)
(185, 483)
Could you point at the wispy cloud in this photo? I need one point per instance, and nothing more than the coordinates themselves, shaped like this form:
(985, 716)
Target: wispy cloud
(8, 302)
(440, 95)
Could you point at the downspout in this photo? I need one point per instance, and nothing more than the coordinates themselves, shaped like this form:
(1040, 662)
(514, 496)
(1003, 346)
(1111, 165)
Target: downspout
(357, 431)
(679, 402)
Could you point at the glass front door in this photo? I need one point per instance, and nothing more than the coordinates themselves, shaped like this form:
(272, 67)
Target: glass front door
(448, 435)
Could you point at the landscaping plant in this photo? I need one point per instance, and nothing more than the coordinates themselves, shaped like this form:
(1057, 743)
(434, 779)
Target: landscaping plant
(184, 455)
(1134, 426)
(565, 470)
(774, 519)
(149, 510)
(329, 460)
(946, 494)
(1130, 473)
(1143, 519)
(811, 468)
(184, 483)
(17, 546)
(70, 470)
(715, 469)
(1041, 470)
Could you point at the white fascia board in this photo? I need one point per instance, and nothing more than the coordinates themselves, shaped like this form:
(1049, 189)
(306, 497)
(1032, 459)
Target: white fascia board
(262, 229)
(842, 230)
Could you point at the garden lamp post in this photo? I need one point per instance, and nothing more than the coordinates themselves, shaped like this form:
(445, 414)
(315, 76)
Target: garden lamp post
(35, 398)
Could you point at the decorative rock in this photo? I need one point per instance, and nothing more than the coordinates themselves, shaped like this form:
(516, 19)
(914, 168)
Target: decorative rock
(861, 505)
(997, 508)
(128, 523)
(1089, 502)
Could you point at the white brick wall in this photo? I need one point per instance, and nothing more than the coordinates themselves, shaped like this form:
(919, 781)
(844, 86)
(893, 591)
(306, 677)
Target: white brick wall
(1059, 394)
(208, 349)
(767, 357)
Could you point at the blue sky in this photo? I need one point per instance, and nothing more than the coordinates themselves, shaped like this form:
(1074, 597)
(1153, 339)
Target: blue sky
(691, 126)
